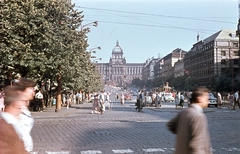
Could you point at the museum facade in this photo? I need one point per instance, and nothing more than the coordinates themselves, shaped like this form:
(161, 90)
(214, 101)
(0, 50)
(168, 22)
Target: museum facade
(118, 72)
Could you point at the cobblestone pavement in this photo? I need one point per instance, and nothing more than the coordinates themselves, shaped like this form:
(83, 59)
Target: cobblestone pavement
(124, 130)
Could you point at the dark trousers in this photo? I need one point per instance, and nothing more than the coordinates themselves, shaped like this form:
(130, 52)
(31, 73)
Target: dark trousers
(46, 100)
(39, 104)
(139, 105)
(235, 103)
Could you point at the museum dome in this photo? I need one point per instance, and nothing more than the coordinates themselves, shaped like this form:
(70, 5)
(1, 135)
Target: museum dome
(117, 48)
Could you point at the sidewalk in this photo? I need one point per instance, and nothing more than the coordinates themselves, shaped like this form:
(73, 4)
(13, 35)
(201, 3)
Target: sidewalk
(64, 112)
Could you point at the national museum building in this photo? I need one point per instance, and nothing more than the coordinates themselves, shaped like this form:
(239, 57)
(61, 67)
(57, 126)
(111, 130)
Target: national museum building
(118, 72)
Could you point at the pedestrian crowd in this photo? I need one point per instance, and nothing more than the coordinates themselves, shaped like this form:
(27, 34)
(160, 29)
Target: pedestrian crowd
(101, 102)
(190, 125)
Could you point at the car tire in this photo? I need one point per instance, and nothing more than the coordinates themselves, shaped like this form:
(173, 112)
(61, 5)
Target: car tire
(216, 105)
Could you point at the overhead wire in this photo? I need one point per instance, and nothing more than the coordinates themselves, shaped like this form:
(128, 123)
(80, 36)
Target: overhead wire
(156, 15)
(159, 26)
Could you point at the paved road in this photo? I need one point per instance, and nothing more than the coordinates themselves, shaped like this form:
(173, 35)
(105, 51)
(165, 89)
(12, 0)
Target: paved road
(124, 130)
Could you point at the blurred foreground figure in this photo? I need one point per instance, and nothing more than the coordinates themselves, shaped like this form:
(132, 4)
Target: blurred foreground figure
(191, 126)
(10, 133)
(26, 121)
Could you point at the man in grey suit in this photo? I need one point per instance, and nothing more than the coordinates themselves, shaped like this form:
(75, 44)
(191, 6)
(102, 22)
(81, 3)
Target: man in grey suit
(191, 126)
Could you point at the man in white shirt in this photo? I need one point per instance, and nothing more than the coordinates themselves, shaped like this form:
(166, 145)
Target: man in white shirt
(78, 97)
(236, 100)
(39, 101)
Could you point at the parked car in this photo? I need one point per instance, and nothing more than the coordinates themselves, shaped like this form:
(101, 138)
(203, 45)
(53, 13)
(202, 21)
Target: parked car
(168, 97)
(128, 97)
(212, 100)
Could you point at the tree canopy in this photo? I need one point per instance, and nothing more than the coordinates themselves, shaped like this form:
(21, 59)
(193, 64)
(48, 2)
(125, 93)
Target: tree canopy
(43, 40)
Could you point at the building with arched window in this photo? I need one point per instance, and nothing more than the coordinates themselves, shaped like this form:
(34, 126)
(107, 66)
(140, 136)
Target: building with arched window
(118, 72)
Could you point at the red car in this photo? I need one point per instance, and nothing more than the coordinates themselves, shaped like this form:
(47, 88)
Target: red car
(128, 97)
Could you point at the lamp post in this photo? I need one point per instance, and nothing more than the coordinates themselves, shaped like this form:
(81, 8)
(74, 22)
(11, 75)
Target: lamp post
(231, 63)
(96, 60)
(84, 28)
(93, 51)
(95, 24)
(238, 33)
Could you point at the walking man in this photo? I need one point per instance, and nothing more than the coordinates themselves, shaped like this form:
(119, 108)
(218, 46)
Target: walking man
(236, 100)
(191, 126)
(39, 100)
(78, 97)
(141, 101)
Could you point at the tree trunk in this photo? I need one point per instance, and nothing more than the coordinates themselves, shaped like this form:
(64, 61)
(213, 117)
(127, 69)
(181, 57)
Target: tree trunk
(59, 89)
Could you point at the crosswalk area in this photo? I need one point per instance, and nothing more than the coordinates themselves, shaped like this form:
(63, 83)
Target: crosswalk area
(115, 151)
(126, 151)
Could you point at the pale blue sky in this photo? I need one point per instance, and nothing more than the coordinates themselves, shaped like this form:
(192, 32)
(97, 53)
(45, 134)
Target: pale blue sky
(147, 28)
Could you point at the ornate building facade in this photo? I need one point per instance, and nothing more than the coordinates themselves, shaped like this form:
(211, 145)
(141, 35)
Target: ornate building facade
(118, 72)
(213, 56)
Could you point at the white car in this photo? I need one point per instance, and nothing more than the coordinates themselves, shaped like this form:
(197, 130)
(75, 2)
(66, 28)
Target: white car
(168, 97)
(212, 100)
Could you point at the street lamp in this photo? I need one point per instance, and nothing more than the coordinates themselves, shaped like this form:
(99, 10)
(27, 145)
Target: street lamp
(96, 60)
(93, 51)
(95, 24)
(231, 63)
(238, 32)
(84, 29)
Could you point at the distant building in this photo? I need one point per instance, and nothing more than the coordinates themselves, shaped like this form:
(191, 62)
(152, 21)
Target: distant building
(148, 69)
(118, 72)
(212, 56)
(158, 68)
(179, 68)
(170, 60)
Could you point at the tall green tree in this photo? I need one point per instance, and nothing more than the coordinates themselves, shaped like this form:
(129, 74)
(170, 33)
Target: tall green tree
(44, 40)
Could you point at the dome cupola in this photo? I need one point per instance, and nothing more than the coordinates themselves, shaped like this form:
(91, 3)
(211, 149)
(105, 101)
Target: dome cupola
(117, 48)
